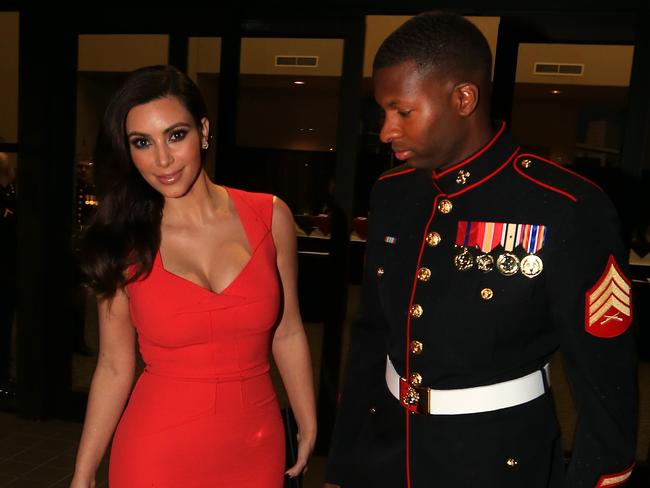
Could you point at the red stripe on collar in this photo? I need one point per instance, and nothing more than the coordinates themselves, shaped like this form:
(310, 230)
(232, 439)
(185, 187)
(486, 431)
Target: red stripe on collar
(410, 170)
(491, 175)
(475, 155)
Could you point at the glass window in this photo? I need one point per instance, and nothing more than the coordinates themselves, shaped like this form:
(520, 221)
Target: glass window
(203, 66)
(104, 62)
(9, 77)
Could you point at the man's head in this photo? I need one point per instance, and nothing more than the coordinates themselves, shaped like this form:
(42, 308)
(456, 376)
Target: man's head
(432, 79)
(85, 170)
(441, 44)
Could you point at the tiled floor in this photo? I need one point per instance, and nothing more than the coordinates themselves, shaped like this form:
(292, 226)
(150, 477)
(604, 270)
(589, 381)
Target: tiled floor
(41, 455)
(38, 454)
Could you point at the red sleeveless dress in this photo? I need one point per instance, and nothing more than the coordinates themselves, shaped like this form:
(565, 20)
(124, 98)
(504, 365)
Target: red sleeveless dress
(204, 413)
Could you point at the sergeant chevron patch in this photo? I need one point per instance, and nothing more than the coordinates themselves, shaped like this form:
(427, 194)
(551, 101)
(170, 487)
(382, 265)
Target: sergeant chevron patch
(608, 305)
(617, 479)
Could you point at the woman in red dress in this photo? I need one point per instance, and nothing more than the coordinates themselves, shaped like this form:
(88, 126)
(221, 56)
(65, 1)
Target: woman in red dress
(205, 278)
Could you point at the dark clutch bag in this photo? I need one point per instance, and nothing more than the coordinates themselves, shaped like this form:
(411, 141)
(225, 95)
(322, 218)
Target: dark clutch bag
(291, 446)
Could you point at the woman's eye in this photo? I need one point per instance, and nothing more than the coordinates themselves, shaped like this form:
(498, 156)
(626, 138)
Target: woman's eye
(139, 143)
(178, 135)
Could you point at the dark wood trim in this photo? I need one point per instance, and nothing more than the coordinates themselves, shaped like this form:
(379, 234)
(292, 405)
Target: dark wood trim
(505, 70)
(45, 174)
(635, 154)
(636, 141)
(9, 147)
(228, 105)
(178, 51)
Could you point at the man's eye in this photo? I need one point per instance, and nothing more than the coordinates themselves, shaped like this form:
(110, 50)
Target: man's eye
(403, 113)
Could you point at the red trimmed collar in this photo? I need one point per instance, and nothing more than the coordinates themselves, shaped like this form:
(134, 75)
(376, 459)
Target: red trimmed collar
(479, 167)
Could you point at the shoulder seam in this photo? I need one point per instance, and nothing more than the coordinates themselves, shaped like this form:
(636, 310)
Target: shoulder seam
(544, 185)
(569, 195)
(560, 167)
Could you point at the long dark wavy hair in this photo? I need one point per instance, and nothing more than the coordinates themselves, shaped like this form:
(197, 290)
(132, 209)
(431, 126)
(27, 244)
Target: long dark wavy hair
(124, 234)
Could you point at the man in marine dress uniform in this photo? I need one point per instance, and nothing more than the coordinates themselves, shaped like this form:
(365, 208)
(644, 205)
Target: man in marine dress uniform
(482, 261)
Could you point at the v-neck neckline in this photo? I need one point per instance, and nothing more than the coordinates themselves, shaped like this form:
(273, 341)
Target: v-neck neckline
(241, 271)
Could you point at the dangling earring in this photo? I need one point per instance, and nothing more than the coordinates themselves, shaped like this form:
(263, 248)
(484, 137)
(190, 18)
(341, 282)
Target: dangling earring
(205, 145)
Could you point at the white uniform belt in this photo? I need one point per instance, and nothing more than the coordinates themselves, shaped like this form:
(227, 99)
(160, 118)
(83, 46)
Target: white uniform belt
(468, 400)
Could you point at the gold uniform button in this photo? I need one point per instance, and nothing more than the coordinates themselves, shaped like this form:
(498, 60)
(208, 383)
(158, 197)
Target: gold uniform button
(380, 271)
(416, 348)
(424, 274)
(462, 177)
(433, 239)
(487, 294)
(416, 379)
(512, 462)
(416, 311)
(526, 163)
(445, 206)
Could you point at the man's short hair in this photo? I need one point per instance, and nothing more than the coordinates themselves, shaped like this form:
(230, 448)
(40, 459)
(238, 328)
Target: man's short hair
(440, 43)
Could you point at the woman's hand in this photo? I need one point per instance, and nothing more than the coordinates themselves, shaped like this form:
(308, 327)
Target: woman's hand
(305, 447)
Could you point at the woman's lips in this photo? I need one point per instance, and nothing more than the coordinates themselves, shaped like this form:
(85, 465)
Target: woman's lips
(170, 178)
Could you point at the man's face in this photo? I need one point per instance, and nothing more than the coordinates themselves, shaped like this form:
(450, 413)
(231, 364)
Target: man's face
(85, 170)
(421, 123)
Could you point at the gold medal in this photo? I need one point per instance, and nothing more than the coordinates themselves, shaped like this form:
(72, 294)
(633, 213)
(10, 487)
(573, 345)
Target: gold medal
(508, 264)
(531, 266)
(464, 260)
(485, 263)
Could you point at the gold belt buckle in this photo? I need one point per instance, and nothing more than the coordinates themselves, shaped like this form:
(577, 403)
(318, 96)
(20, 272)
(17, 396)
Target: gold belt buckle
(423, 401)
(414, 398)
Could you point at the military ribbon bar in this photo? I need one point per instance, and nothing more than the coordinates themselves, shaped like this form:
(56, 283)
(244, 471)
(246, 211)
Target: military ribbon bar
(533, 238)
(460, 232)
(510, 236)
(489, 235)
(467, 234)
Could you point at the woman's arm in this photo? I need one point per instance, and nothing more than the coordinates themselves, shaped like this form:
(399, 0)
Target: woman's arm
(110, 387)
(290, 349)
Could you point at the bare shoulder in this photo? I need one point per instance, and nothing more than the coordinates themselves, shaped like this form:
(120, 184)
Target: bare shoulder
(115, 307)
(283, 226)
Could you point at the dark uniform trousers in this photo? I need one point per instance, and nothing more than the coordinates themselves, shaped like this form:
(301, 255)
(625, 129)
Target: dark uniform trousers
(450, 318)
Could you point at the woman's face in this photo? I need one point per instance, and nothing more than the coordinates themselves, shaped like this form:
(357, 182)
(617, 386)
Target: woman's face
(165, 145)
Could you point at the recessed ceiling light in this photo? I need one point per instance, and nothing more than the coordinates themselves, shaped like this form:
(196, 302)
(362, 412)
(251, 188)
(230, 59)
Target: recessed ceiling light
(555, 92)
(298, 82)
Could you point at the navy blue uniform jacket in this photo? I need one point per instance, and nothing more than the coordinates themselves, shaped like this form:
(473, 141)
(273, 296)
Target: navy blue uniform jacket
(467, 328)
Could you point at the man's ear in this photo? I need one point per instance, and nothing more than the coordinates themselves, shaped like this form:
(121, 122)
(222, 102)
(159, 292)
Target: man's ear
(466, 98)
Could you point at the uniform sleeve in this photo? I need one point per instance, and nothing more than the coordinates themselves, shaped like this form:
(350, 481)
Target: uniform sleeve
(365, 369)
(591, 304)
